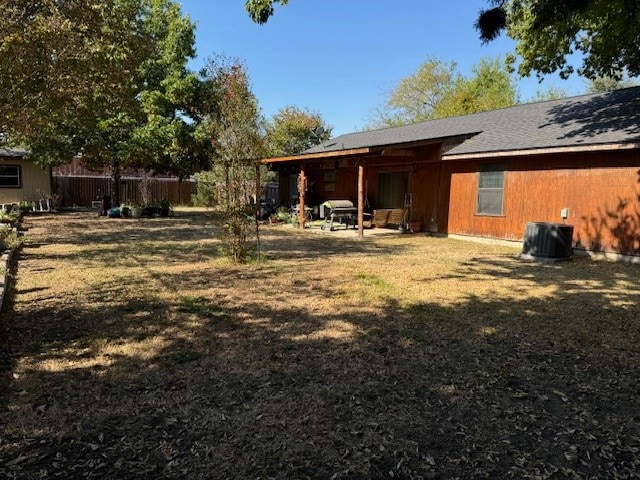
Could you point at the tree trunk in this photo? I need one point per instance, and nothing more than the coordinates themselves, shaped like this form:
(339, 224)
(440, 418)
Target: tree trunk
(258, 209)
(115, 177)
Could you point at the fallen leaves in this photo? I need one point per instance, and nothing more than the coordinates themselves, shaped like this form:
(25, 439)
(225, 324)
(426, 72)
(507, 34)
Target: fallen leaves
(192, 368)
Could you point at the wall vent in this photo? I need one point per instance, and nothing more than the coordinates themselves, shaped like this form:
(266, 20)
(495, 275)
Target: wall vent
(547, 241)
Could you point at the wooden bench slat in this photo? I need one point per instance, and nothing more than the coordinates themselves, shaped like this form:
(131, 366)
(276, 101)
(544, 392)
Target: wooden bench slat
(396, 216)
(379, 218)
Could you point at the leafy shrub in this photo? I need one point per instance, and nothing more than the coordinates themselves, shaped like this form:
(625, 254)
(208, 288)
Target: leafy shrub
(9, 217)
(10, 238)
(284, 215)
(205, 194)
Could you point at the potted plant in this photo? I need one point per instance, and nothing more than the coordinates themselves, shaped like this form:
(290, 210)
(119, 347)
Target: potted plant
(136, 211)
(12, 219)
(10, 239)
(114, 212)
(164, 208)
(145, 195)
(4, 233)
(25, 207)
(125, 211)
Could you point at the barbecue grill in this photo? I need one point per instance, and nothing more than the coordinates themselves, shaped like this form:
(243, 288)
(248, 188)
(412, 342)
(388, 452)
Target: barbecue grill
(341, 211)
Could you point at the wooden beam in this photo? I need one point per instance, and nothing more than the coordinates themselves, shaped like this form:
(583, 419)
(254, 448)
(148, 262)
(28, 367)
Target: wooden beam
(317, 156)
(302, 183)
(360, 200)
(398, 152)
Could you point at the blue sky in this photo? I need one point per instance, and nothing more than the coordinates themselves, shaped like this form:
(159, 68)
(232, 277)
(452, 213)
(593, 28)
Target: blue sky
(339, 57)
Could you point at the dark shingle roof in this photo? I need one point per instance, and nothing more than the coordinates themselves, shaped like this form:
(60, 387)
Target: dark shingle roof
(603, 118)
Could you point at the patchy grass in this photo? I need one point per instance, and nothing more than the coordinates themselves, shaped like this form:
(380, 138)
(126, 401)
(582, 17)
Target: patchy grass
(131, 349)
(201, 306)
(376, 284)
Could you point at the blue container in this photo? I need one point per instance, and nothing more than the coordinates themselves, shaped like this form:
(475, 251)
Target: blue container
(113, 212)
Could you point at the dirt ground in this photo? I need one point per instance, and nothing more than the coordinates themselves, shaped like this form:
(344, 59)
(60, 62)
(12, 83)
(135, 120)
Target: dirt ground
(132, 349)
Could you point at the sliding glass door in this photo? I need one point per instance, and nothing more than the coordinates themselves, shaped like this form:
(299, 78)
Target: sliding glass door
(392, 187)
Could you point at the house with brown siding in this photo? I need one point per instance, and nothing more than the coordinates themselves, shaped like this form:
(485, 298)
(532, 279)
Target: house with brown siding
(20, 179)
(573, 161)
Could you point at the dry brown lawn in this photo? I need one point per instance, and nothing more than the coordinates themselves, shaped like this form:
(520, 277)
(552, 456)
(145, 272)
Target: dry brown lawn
(131, 349)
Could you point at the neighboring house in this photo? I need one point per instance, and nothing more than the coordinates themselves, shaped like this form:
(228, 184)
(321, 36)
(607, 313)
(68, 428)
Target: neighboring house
(20, 179)
(574, 160)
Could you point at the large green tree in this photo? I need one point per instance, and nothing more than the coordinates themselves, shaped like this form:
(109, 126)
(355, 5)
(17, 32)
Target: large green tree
(608, 84)
(605, 32)
(261, 10)
(550, 93)
(53, 58)
(104, 79)
(417, 97)
(438, 90)
(490, 86)
(152, 124)
(293, 130)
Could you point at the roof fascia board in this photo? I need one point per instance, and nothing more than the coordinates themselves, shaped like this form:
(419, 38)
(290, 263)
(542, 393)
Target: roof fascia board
(372, 149)
(542, 151)
(314, 156)
(461, 156)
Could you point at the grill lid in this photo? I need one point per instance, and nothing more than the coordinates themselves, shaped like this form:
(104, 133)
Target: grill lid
(333, 204)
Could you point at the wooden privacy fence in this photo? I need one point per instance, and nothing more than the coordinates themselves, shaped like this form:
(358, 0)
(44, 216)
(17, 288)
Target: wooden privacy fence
(82, 191)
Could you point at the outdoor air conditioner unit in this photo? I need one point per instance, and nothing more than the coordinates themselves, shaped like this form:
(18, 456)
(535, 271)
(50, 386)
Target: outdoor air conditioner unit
(547, 241)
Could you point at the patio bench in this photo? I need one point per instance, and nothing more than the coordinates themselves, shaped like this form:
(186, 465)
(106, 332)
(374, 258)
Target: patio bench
(396, 217)
(384, 217)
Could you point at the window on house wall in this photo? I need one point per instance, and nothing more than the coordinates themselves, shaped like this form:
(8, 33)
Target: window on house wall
(293, 187)
(490, 190)
(10, 176)
(330, 181)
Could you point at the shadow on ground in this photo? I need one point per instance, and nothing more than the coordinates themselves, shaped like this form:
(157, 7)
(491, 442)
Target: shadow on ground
(258, 381)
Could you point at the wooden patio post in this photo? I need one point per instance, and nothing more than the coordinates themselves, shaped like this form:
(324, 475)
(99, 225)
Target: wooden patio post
(302, 184)
(360, 200)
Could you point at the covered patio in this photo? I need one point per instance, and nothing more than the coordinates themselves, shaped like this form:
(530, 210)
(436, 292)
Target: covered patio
(390, 179)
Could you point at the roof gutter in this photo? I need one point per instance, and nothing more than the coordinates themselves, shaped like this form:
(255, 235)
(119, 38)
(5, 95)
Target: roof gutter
(382, 150)
(542, 151)
(459, 156)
